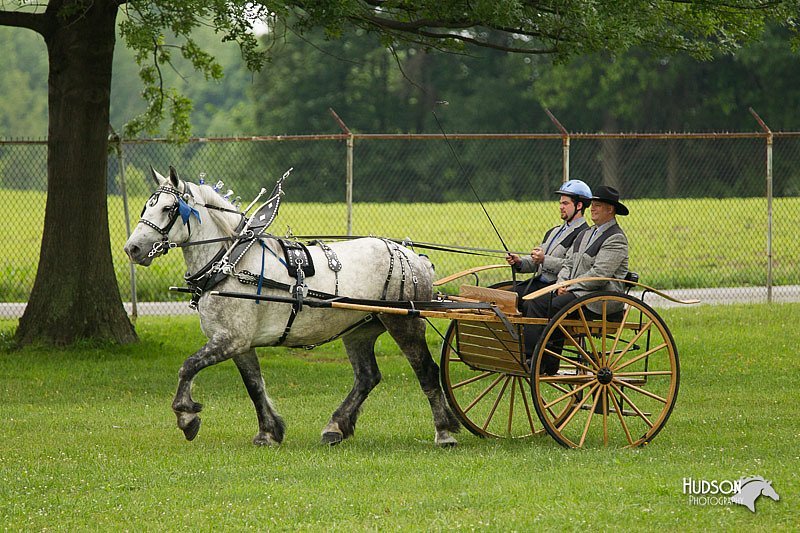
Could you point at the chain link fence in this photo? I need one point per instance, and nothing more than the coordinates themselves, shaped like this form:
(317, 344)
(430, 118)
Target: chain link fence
(712, 215)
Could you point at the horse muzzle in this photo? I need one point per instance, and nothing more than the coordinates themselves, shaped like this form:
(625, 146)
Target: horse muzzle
(138, 255)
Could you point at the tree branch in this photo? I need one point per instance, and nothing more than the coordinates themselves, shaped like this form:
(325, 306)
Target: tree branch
(20, 19)
(424, 28)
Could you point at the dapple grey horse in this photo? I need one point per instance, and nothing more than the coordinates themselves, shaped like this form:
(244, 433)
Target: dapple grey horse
(181, 213)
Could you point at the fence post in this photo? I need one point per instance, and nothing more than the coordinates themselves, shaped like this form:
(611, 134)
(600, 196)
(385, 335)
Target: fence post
(350, 142)
(115, 140)
(769, 201)
(564, 146)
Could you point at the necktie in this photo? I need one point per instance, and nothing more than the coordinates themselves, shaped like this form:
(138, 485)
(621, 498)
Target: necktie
(554, 239)
(591, 237)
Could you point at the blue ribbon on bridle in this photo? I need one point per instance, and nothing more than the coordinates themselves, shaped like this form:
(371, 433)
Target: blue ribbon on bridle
(187, 211)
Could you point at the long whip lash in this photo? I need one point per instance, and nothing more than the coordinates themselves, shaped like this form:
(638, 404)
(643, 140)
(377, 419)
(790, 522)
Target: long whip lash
(464, 173)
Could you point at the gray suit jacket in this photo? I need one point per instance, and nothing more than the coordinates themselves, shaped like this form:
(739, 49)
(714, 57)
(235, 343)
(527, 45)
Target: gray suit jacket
(606, 256)
(557, 246)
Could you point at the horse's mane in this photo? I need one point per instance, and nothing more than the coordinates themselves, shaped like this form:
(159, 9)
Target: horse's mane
(747, 480)
(206, 195)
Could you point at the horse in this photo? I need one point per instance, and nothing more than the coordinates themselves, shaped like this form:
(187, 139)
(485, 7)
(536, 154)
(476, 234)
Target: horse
(370, 268)
(750, 489)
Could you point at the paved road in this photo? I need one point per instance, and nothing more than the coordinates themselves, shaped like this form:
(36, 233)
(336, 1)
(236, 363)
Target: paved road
(730, 295)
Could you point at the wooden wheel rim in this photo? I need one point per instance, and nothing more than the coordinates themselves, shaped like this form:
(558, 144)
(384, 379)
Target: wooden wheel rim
(627, 378)
(488, 403)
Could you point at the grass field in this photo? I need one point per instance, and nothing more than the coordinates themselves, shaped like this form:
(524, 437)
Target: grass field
(89, 443)
(675, 243)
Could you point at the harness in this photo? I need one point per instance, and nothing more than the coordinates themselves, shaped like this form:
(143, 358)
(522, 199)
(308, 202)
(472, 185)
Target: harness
(296, 257)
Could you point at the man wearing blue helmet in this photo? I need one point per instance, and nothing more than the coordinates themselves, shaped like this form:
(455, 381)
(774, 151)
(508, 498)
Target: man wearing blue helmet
(600, 252)
(547, 259)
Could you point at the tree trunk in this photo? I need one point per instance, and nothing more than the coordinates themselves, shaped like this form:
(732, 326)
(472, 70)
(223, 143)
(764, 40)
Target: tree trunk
(75, 295)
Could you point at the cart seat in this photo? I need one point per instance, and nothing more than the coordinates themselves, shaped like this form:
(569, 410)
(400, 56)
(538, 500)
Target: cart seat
(505, 300)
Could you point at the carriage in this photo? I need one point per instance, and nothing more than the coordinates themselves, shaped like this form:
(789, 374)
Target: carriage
(617, 381)
(618, 373)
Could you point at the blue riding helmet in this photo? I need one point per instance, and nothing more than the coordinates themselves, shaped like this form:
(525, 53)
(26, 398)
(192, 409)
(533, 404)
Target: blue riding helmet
(577, 189)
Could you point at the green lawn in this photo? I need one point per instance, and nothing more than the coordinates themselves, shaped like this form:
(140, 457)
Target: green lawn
(88, 442)
(675, 243)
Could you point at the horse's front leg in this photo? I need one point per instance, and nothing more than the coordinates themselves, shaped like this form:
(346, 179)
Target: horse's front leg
(270, 424)
(216, 350)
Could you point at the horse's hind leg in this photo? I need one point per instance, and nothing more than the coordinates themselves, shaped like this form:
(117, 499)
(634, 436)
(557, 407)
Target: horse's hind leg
(409, 333)
(360, 348)
(270, 424)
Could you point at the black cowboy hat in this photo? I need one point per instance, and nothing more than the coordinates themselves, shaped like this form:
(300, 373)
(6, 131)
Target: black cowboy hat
(610, 195)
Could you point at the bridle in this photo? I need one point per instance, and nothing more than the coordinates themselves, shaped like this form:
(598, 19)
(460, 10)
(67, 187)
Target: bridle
(165, 245)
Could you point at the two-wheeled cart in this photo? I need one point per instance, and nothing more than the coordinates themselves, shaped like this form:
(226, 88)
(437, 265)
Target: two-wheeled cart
(617, 380)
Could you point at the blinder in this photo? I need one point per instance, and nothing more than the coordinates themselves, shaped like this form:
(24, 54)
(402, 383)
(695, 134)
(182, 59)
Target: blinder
(173, 213)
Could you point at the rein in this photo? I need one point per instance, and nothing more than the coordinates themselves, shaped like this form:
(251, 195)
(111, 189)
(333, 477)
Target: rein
(453, 248)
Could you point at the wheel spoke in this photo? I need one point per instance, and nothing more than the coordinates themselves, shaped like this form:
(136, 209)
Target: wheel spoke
(568, 360)
(577, 408)
(472, 380)
(644, 373)
(632, 342)
(641, 391)
(618, 409)
(580, 349)
(578, 378)
(525, 402)
(500, 395)
(573, 392)
(640, 357)
(484, 393)
(635, 408)
(620, 329)
(604, 394)
(588, 332)
(586, 425)
(511, 404)
(603, 330)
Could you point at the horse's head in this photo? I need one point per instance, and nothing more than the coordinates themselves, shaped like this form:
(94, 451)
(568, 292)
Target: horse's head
(768, 491)
(157, 230)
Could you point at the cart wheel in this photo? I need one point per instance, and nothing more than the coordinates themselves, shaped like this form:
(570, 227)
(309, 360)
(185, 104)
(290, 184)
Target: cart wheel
(488, 403)
(626, 377)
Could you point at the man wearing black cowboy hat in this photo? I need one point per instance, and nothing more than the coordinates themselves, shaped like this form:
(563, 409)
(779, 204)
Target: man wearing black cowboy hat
(602, 252)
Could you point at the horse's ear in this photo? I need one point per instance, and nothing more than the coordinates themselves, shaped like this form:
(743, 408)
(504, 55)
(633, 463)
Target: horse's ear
(158, 178)
(173, 177)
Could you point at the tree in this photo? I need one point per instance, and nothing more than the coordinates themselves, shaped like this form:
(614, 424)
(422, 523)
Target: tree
(75, 294)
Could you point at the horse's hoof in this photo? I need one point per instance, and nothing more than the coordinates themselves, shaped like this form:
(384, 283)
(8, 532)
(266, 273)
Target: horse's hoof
(264, 439)
(445, 441)
(191, 431)
(332, 438)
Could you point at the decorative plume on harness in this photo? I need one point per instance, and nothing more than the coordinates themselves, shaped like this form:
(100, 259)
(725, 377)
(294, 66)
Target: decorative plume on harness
(224, 263)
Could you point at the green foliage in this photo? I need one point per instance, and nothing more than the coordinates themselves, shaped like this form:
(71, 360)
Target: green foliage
(89, 443)
(575, 29)
(148, 29)
(23, 107)
(641, 91)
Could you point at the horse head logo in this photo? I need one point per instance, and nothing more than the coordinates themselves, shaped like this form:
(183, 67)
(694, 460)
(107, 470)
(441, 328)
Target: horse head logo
(750, 488)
